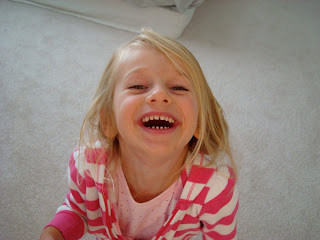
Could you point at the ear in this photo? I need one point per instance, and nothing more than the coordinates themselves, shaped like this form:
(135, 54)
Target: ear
(108, 127)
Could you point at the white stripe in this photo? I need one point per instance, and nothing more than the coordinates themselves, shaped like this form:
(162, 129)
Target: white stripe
(102, 204)
(79, 163)
(92, 193)
(81, 206)
(96, 170)
(114, 231)
(188, 226)
(63, 207)
(226, 210)
(225, 229)
(217, 184)
(75, 187)
(195, 190)
(102, 236)
(109, 207)
(192, 211)
(170, 234)
(92, 215)
(95, 228)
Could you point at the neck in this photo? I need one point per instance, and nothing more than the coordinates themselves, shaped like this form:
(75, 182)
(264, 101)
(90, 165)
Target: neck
(148, 176)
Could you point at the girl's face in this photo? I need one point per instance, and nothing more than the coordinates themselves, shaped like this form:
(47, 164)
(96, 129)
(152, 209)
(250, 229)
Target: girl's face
(155, 106)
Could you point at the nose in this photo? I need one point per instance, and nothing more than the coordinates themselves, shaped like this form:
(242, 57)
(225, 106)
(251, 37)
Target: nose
(159, 94)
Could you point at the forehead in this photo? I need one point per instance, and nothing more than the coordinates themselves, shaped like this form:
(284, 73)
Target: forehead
(142, 57)
(132, 55)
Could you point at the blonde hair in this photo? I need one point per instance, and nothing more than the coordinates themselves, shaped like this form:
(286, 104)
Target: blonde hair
(212, 138)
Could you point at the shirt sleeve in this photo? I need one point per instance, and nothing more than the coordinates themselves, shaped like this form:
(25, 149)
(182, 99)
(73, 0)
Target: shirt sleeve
(219, 213)
(70, 218)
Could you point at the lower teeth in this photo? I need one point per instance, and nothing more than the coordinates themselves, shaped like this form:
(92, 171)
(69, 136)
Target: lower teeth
(157, 127)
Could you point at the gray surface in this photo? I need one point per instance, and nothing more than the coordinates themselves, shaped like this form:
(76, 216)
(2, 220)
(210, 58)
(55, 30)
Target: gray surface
(262, 61)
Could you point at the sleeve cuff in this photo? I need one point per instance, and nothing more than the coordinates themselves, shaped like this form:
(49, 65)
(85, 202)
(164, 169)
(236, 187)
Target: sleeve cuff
(69, 223)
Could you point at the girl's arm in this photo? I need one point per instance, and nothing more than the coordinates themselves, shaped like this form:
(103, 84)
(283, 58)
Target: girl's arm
(51, 233)
(70, 217)
(218, 215)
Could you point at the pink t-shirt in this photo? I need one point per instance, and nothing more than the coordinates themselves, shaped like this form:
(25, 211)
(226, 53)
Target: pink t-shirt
(141, 221)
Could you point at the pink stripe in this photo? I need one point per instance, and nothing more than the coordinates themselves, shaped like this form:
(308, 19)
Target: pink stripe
(218, 236)
(186, 230)
(227, 220)
(96, 222)
(76, 195)
(93, 205)
(189, 193)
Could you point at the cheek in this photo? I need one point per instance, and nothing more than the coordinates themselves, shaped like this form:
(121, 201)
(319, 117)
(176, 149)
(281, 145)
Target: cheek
(124, 109)
(193, 110)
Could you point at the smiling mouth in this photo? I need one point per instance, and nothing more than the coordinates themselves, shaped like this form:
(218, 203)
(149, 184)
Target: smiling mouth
(158, 122)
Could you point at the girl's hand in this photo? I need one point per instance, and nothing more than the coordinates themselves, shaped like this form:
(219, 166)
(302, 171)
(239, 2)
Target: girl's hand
(51, 233)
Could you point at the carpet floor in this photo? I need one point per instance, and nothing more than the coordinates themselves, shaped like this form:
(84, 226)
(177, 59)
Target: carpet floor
(261, 59)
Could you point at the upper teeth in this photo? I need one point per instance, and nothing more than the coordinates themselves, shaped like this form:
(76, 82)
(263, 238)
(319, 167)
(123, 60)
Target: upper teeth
(168, 119)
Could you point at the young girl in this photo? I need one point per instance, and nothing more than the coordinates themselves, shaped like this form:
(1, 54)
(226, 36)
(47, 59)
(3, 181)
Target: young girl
(154, 160)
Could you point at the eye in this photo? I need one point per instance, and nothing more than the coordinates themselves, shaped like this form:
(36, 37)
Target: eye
(138, 87)
(179, 88)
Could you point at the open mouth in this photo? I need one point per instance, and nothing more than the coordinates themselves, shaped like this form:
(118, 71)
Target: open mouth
(158, 122)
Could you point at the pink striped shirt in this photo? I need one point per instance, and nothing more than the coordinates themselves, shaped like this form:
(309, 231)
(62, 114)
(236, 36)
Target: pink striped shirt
(208, 203)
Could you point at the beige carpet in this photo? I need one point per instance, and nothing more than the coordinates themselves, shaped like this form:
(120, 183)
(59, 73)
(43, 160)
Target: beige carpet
(262, 61)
